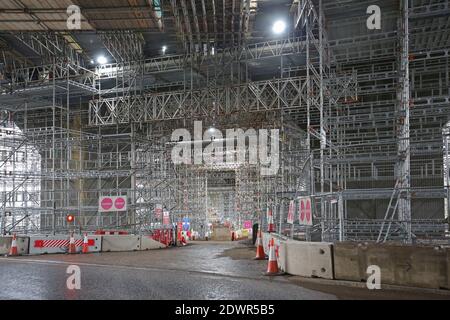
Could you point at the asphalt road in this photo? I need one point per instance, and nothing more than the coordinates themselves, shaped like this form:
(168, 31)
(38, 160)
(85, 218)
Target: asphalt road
(200, 271)
(213, 271)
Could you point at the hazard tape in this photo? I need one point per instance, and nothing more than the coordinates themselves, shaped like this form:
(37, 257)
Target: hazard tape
(60, 243)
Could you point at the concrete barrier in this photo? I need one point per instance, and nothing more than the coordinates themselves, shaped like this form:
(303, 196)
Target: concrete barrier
(305, 259)
(448, 268)
(411, 266)
(402, 265)
(147, 243)
(309, 259)
(281, 254)
(49, 244)
(22, 245)
(121, 243)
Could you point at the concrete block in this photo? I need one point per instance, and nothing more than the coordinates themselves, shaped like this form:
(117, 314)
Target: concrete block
(348, 262)
(411, 266)
(49, 244)
(448, 268)
(308, 259)
(22, 245)
(147, 243)
(121, 243)
(281, 252)
(221, 234)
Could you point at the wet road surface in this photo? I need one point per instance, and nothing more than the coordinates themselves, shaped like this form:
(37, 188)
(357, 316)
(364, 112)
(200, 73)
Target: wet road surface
(200, 271)
(214, 271)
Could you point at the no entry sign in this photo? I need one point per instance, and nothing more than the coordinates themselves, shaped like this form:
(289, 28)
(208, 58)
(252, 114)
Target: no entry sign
(305, 212)
(112, 204)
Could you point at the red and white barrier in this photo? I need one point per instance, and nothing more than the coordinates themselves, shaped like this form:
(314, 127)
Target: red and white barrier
(48, 244)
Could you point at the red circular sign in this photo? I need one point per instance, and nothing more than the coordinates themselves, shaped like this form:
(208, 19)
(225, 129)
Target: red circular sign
(120, 203)
(107, 204)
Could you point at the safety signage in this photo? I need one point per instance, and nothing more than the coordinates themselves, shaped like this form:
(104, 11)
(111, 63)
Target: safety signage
(112, 204)
(186, 224)
(166, 218)
(290, 218)
(248, 224)
(305, 212)
(48, 244)
(60, 243)
(158, 211)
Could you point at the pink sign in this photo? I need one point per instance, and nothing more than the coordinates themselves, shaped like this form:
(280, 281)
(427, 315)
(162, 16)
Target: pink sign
(305, 207)
(248, 224)
(107, 204)
(120, 203)
(112, 204)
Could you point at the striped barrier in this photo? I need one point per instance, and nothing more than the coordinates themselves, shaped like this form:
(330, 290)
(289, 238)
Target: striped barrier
(60, 244)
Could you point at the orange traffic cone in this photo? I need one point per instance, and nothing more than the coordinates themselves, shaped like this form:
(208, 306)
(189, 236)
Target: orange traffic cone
(72, 247)
(260, 254)
(13, 251)
(85, 244)
(272, 268)
(271, 224)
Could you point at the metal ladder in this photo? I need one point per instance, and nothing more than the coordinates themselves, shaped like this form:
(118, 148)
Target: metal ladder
(390, 213)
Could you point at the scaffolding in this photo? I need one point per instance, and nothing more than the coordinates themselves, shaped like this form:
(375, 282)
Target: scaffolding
(362, 122)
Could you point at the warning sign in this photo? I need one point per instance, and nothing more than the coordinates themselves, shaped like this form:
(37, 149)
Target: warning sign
(305, 211)
(166, 218)
(158, 211)
(112, 204)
